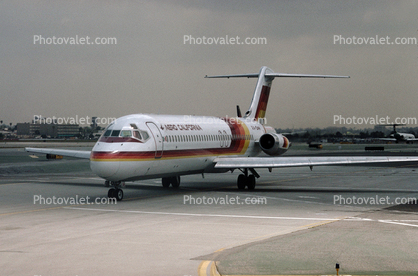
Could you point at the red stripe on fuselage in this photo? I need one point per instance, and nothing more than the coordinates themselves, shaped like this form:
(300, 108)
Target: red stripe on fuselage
(144, 155)
(237, 146)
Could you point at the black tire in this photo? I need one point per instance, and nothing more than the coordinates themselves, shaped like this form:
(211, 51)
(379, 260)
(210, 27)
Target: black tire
(111, 193)
(241, 181)
(166, 182)
(175, 181)
(251, 182)
(119, 194)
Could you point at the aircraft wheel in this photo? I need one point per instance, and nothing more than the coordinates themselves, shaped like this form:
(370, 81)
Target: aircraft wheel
(175, 181)
(166, 182)
(111, 193)
(251, 182)
(241, 182)
(118, 194)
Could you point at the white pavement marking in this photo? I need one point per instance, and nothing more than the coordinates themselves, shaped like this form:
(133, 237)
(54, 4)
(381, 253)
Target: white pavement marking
(202, 215)
(398, 222)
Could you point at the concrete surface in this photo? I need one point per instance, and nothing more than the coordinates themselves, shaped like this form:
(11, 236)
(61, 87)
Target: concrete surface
(153, 231)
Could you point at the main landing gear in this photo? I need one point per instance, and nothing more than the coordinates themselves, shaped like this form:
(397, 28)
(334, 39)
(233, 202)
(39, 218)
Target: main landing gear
(246, 180)
(174, 181)
(116, 191)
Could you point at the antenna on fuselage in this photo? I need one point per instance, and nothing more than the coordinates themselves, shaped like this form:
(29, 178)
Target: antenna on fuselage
(239, 112)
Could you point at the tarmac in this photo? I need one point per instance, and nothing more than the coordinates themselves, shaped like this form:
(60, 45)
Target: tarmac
(294, 223)
(379, 242)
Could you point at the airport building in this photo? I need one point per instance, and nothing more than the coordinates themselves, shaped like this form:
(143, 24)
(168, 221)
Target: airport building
(48, 130)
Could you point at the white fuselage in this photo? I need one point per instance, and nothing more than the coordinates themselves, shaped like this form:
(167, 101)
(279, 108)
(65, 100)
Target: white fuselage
(143, 146)
(403, 136)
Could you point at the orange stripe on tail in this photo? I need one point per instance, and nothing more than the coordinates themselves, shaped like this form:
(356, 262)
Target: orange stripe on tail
(262, 103)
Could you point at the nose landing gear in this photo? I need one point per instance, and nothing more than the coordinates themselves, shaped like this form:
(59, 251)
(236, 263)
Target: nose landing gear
(116, 191)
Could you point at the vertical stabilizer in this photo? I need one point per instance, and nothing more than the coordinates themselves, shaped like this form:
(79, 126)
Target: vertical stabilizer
(261, 95)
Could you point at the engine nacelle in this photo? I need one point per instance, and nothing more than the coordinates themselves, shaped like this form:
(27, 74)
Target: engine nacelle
(274, 144)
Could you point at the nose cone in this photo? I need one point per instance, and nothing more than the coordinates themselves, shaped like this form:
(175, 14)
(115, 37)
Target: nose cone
(105, 169)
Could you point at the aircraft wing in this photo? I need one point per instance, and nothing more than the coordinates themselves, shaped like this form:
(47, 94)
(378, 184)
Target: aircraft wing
(281, 162)
(83, 154)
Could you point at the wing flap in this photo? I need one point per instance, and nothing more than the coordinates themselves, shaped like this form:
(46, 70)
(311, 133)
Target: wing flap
(83, 154)
(281, 162)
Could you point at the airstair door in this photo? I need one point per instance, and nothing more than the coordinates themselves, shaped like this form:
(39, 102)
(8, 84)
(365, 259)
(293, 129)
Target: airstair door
(158, 139)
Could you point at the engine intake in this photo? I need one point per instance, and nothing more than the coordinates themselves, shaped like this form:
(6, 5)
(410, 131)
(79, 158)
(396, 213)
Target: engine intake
(274, 144)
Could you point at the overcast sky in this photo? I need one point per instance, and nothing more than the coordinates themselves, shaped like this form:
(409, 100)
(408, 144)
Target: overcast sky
(151, 70)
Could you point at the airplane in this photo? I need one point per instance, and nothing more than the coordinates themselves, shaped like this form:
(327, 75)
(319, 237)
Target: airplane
(399, 136)
(148, 146)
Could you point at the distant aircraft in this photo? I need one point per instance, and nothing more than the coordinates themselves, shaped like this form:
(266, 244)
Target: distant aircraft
(398, 136)
(147, 146)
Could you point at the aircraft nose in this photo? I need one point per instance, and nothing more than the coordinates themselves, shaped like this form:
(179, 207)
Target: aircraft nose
(104, 169)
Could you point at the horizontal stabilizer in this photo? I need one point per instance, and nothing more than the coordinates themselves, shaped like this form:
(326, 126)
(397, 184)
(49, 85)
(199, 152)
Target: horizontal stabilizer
(234, 76)
(276, 75)
(281, 75)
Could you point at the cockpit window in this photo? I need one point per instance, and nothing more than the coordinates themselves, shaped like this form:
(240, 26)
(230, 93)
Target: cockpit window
(107, 133)
(140, 135)
(115, 133)
(108, 130)
(137, 135)
(130, 131)
(126, 133)
(144, 135)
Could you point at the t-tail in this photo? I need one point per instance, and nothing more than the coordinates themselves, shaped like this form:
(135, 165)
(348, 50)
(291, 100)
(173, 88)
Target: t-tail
(258, 106)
